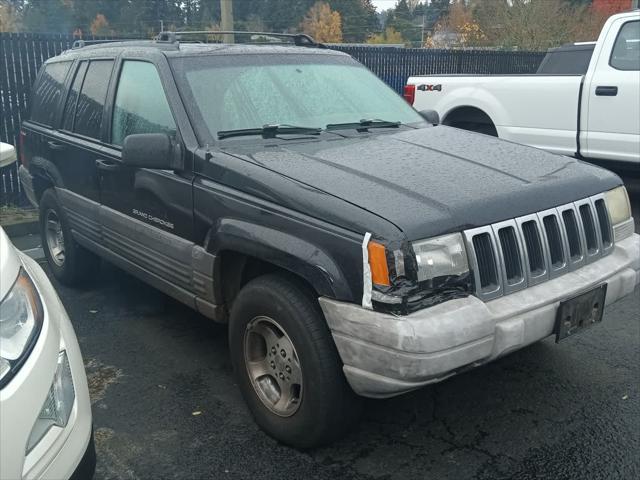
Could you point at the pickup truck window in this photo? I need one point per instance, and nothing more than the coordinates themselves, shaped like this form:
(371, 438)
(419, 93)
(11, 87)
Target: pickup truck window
(249, 91)
(48, 91)
(626, 51)
(570, 59)
(141, 105)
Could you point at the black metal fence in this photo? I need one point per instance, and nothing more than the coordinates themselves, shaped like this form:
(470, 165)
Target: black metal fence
(395, 65)
(22, 54)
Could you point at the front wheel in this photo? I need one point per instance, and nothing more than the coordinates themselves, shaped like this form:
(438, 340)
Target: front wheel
(286, 364)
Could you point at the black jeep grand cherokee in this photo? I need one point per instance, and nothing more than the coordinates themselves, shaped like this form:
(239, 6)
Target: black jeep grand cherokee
(351, 246)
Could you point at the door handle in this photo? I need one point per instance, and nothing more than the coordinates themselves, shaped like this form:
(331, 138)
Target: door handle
(607, 91)
(55, 145)
(107, 165)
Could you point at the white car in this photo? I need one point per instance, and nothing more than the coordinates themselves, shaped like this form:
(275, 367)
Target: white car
(45, 413)
(594, 114)
(7, 155)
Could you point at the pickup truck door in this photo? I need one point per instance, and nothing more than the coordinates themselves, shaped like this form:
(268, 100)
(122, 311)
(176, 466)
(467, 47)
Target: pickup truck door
(612, 94)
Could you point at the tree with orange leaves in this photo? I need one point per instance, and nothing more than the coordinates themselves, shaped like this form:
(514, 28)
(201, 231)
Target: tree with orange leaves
(322, 23)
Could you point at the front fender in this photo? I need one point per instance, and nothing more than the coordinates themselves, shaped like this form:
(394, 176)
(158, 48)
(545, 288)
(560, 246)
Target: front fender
(296, 255)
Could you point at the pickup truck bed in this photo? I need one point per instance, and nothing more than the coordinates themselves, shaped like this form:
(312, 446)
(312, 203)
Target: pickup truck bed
(595, 116)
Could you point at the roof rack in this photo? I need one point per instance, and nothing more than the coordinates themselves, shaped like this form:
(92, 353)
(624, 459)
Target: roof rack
(85, 43)
(298, 39)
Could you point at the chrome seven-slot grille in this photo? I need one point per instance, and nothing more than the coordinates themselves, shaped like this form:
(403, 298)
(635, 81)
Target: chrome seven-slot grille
(511, 255)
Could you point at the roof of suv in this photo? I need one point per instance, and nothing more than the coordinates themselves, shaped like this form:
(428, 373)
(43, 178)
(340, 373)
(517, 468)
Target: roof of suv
(177, 49)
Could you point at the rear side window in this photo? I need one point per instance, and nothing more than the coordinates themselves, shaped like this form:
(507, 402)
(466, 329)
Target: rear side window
(626, 51)
(72, 98)
(567, 60)
(90, 103)
(141, 105)
(47, 93)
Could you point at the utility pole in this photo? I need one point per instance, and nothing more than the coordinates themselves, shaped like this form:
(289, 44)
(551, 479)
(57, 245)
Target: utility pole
(226, 18)
(422, 44)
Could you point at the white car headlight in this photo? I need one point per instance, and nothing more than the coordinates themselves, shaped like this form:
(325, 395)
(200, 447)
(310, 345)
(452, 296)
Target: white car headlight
(619, 209)
(441, 256)
(21, 317)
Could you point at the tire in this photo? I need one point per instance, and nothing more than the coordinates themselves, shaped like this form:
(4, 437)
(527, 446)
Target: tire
(76, 263)
(326, 406)
(484, 128)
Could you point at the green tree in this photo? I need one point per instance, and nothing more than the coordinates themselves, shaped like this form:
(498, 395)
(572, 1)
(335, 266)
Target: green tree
(359, 19)
(276, 15)
(388, 36)
(402, 20)
(53, 16)
(435, 11)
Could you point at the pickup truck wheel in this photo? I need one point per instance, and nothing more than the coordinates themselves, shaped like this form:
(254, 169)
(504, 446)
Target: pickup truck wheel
(484, 128)
(69, 262)
(286, 364)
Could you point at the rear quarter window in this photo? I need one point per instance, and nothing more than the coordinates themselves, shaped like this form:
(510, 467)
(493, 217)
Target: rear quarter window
(90, 102)
(72, 99)
(47, 92)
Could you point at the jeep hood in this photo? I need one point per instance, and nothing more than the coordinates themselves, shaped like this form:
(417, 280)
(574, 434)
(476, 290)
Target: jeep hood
(432, 181)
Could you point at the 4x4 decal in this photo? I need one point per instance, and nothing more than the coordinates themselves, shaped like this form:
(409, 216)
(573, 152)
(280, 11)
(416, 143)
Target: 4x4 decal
(430, 88)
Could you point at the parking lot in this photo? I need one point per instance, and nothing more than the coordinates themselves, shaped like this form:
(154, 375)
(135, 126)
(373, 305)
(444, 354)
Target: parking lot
(165, 404)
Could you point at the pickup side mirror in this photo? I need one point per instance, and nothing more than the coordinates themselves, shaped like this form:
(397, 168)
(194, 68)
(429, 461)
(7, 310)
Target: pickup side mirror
(431, 116)
(152, 150)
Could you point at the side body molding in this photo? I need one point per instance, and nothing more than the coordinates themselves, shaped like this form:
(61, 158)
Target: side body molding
(173, 265)
(292, 253)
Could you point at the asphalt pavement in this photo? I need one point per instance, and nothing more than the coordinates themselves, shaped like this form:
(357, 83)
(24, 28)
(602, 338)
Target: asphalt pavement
(165, 403)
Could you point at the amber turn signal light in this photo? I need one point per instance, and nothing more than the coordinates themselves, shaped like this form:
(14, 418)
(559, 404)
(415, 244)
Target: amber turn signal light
(378, 264)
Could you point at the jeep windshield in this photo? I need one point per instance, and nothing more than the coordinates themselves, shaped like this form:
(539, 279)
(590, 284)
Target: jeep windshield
(229, 93)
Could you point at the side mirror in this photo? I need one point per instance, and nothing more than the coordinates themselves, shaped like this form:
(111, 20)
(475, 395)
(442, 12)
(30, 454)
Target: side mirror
(152, 150)
(430, 116)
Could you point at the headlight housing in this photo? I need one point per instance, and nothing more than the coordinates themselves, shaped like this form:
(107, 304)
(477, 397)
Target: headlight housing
(21, 316)
(401, 278)
(443, 256)
(58, 404)
(619, 208)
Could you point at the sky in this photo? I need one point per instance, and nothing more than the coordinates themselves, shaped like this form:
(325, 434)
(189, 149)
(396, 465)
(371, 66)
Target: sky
(384, 4)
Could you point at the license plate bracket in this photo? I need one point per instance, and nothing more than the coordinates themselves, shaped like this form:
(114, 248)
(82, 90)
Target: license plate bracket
(580, 312)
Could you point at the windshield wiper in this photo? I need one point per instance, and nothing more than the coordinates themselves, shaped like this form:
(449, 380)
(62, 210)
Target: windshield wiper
(270, 131)
(364, 124)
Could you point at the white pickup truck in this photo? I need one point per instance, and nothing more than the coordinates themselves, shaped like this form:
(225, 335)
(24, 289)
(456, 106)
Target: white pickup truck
(595, 115)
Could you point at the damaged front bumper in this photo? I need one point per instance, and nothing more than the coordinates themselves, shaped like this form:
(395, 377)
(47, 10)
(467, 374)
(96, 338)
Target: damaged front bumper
(385, 355)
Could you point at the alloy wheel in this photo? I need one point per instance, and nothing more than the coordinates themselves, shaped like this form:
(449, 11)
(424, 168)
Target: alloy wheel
(54, 237)
(273, 366)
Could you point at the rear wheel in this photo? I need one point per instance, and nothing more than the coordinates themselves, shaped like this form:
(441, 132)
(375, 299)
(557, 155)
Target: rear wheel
(471, 118)
(69, 262)
(286, 363)
(484, 128)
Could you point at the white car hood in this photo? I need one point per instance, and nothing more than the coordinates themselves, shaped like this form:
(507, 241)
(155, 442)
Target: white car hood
(9, 264)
